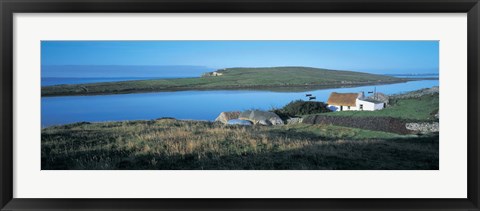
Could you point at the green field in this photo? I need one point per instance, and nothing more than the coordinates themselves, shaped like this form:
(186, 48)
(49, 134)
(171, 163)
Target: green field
(275, 78)
(174, 144)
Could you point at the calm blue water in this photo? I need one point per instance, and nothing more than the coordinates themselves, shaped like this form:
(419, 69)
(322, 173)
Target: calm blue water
(414, 76)
(197, 105)
(57, 81)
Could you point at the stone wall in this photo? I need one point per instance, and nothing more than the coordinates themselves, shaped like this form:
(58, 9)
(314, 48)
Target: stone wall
(386, 124)
(423, 127)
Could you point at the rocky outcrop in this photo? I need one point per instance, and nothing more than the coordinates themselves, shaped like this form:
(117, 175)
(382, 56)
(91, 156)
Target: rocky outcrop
(294, 120)
(264, 122)
(225, 116)
(423, 127)
(239, 122)
(261, 117)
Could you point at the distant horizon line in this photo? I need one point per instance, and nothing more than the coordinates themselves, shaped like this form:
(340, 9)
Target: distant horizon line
(404, 74)
(219, 68)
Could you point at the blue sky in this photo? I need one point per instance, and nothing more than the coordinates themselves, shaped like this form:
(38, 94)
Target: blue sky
(387, 57)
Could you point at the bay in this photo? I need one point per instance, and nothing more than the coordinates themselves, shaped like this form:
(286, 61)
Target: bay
(194, 105)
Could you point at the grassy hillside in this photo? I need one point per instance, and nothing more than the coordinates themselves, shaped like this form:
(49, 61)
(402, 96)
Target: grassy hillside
(232, 78)
(174, 144)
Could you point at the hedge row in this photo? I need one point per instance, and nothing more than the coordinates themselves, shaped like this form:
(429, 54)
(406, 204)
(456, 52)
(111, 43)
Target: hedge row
(300, 107)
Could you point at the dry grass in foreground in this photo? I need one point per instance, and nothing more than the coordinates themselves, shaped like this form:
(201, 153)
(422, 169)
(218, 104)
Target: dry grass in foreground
(173, 144)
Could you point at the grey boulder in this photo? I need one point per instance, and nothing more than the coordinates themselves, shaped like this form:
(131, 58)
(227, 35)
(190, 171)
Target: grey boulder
(261, 117)
(224, 117)
(239, 122)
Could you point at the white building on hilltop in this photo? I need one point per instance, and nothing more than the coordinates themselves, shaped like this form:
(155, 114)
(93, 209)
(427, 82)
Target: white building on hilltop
(353, 102)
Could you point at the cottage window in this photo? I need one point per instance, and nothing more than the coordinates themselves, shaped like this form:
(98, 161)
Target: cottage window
(348, 107)
(361, 106)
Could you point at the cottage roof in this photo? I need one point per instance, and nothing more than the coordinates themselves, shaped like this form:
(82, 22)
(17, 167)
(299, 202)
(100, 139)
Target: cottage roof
(342, 99)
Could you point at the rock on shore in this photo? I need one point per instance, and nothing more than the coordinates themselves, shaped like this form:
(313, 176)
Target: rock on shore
(261, 117)
(224, 117)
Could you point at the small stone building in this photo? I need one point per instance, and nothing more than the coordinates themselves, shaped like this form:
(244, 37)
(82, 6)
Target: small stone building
(353, 102)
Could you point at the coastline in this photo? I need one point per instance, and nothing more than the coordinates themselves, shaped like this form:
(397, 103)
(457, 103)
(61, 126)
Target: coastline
(273, 88)
(427, 98)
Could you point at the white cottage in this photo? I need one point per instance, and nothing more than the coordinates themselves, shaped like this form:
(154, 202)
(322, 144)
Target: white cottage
(352, 102)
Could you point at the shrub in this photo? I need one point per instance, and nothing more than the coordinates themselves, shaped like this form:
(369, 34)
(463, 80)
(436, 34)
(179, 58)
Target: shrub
(300, 107)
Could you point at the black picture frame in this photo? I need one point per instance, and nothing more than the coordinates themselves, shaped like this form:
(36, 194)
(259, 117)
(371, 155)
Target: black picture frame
(9, 7)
